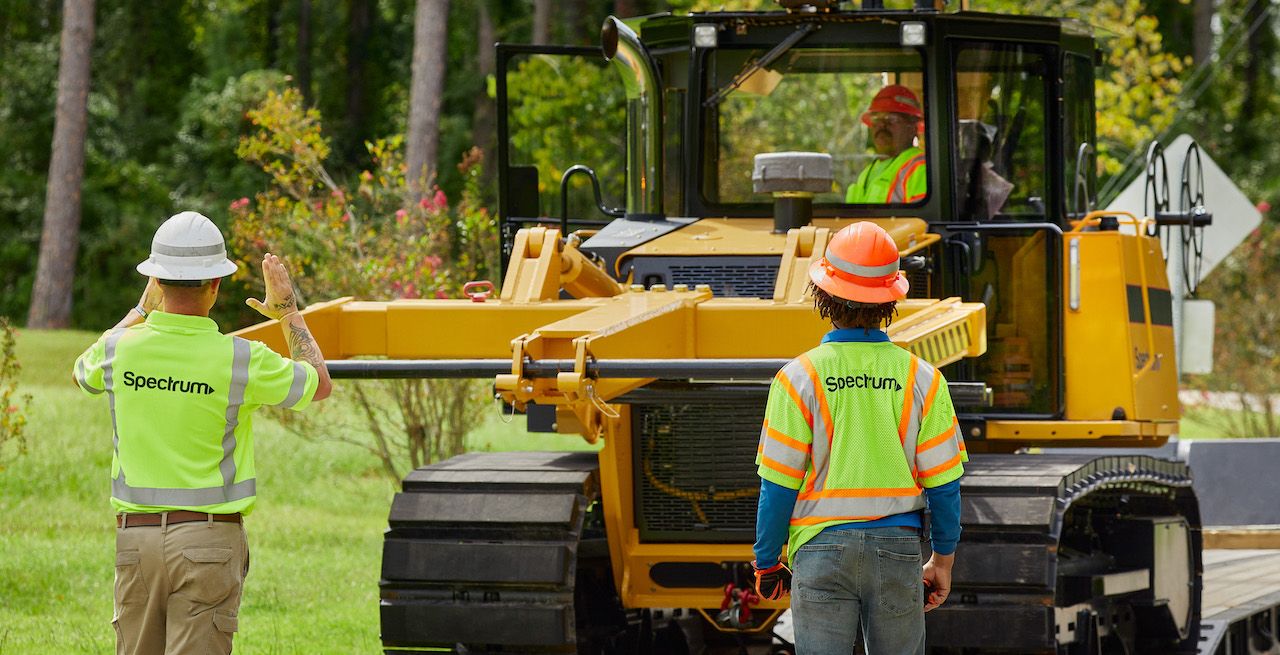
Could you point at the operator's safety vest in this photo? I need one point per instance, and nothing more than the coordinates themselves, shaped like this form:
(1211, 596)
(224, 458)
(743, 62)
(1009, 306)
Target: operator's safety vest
(182, 396)
(859, 428)
(898, 180)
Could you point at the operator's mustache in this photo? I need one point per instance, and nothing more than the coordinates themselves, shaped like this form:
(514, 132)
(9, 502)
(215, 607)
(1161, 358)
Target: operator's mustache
(882, 131)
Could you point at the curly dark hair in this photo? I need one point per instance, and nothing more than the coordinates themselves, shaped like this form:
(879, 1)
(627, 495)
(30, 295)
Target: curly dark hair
(849, 314)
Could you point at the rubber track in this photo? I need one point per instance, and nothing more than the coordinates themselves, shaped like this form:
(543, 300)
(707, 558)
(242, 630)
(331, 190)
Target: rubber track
(481, 551)
(1005, 577)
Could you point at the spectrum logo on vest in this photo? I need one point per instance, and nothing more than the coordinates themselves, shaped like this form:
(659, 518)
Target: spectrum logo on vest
(165, 384)
(862, 381)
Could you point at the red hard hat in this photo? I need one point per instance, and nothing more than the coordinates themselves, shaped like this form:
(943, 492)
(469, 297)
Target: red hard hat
(861, 264)
(896, 99)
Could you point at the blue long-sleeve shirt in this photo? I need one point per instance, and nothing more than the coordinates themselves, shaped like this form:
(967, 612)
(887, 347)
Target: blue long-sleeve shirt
(777, 502)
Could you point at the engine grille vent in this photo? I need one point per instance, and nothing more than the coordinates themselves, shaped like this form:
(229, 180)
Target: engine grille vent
(728, 276)
(695, 471)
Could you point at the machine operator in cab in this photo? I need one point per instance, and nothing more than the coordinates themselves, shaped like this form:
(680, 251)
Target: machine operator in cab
(859, 436)
(897, 175)
(182, 397)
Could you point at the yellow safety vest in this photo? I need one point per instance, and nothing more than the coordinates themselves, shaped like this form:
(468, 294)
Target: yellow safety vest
(893, 181)
(182, 396)
(859, 428)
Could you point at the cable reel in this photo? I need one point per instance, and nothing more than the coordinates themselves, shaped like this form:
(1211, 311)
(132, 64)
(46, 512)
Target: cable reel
(1191, 234)
(1155, 194)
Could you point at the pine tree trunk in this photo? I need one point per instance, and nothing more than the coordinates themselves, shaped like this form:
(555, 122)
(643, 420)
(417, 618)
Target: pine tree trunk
(304, 50)
(484, 123)
(359, 27)
(60, 239)
(430, 54)
(1258, 59)
(542, 21)
(1202, 32)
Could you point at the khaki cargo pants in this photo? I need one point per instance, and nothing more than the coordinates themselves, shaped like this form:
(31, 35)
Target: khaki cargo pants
(177, 588)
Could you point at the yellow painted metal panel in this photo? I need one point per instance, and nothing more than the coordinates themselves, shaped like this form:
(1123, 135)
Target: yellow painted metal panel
(461, 329)
(747, 327)
(754, 236)
(1096, 336)
(1049, 431)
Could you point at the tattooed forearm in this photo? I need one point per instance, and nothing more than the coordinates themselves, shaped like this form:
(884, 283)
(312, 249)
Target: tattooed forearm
(302, 346)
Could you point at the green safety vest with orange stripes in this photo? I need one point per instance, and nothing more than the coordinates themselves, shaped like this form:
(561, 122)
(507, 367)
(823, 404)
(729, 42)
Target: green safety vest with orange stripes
(898, 180)
(182, 396)
(859, 429)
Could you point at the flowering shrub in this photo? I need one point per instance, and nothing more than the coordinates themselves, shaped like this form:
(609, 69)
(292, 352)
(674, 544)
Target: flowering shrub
(376, 241)
(13, 420)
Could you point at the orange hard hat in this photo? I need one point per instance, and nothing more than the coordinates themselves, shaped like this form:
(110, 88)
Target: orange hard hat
(896, 99)
(861, 264)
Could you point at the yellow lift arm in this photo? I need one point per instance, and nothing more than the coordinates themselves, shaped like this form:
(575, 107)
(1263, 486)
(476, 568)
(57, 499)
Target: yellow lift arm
(579, 354)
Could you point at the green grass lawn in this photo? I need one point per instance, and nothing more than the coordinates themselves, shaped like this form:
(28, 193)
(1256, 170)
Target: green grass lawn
(315, 535)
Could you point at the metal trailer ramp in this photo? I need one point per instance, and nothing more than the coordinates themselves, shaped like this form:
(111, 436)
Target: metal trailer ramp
(1241, 602)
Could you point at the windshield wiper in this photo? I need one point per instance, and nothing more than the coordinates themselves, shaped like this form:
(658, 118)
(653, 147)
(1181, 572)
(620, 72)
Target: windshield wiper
(768, 58)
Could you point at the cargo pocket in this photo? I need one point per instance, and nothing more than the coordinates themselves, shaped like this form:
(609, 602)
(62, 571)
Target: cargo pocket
(224, 628)
(130, 587)
(900, 577)
(211, 576)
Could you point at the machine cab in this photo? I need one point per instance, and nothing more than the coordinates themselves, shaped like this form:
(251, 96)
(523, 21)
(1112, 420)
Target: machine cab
(1004, 146)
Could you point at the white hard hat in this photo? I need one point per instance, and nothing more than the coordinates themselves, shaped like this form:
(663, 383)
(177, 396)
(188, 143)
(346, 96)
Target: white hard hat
(188, 246)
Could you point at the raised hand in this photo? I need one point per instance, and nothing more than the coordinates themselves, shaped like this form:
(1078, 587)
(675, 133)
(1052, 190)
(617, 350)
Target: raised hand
(280, 300)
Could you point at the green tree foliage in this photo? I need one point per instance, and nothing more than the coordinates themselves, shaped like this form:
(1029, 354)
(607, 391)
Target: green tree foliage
(1246, 354)
(554, 101)
(371, 241)
(1139, 82)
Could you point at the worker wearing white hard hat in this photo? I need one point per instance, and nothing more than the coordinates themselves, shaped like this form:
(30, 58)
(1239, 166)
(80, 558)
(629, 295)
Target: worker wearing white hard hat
(181, 395)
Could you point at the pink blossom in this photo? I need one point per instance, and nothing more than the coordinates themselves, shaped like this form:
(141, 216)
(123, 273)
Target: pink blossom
(423, 203)
(366, 176)
(441, 294)
(440, 201)
(336, 193)
(346, 217)
(1264, 206)
(410, 291)
(400, 216)
(237, 205)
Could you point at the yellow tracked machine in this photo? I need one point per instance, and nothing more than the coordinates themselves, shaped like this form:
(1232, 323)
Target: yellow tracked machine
(656, 328)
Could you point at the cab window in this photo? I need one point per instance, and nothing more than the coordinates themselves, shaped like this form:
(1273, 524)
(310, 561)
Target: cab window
(1001, 135)
(817, 100)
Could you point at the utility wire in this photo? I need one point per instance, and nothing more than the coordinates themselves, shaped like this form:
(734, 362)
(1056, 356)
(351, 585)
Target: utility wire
(1197, 84)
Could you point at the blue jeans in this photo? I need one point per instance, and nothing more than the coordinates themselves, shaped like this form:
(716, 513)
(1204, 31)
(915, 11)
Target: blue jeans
(868, 579)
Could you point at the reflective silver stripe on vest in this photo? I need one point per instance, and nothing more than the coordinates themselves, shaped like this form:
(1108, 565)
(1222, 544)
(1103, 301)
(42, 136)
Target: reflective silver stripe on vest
(923, 380)
(188, 251)
(859, 270)
(804, 386)
(82, 378)
(108, 384)
(871, 507)
(235, 398)
(162, 497)
(299, 385)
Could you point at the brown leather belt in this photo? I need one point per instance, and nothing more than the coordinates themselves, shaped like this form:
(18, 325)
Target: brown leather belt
(177, 516)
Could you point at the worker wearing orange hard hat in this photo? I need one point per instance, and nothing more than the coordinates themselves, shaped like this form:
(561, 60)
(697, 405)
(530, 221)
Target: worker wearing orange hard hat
(859, 437)
(897, 175)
